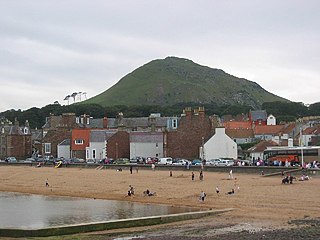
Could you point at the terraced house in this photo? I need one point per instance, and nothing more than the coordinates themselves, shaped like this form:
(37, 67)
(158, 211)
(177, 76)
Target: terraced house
(15, 140)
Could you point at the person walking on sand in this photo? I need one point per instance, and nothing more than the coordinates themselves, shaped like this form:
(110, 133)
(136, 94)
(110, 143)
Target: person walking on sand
(130, 169)
(230, 174)
(153, 166)
(201, 176)
(217, 190)
(192, 176)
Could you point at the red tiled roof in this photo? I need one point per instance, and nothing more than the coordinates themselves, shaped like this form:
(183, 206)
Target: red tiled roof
(268, 129)
(312, 130)
(240, 133)
(237, 125)
(288, 128)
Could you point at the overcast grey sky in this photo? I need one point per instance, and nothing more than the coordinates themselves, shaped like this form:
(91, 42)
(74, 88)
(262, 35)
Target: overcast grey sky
(49, 49)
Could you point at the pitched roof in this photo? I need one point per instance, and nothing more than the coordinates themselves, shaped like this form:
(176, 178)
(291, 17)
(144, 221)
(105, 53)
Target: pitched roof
(65, 142)
(258, 114)
(312, 130)
(151, 137)
(288, 128)
(268, 129)
(100, 135)
(237, 125)
(261, 146)
(240, 133)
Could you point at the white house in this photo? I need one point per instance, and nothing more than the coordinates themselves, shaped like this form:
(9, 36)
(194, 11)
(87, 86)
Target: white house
(271, 120)
(97, 145)
(146, 144)
(220, 145)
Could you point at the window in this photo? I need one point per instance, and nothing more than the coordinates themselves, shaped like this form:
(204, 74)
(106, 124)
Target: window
(47, 148)
(88, 155)
(88, 121)
(93, 153)
(25, 130)
(77, 120)
(174, 123)
(78, 141)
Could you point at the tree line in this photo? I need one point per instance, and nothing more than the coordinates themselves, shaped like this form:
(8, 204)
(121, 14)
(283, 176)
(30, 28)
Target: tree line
(283, 111)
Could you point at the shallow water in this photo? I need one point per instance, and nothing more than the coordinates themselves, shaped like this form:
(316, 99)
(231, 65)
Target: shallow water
(36, 211)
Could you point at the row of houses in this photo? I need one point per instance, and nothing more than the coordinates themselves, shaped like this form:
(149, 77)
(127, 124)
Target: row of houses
(190, 135)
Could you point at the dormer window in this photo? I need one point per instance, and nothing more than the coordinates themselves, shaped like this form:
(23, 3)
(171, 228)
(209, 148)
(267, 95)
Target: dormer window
(78, 141)
(88, 121)
(25, 130)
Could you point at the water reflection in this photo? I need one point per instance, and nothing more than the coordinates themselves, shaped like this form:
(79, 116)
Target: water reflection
(36, 211)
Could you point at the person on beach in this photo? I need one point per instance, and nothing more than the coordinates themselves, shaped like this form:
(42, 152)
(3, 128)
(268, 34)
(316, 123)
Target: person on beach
(231, 192)
(202, 196)
(153, 166)
(170, 173)
(217, 190)
(201, 176)
(192, 176)
(130, 169)
(230, 174)
(47, 183)
(130, 191)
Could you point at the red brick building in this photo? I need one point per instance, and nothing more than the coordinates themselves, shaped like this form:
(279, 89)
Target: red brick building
(194, 129)
(16, 140)
(118, 146)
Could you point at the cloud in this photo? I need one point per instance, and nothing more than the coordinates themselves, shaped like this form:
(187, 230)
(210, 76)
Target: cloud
(51, 49)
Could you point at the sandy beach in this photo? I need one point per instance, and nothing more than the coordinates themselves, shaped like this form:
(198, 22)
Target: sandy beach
(258, 200)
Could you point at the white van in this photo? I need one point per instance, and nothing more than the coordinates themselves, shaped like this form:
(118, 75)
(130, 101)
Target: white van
(165, 161)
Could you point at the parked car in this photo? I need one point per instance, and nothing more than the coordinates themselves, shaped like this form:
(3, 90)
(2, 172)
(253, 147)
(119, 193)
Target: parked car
(90, 161)
(77, 160)
(107, 161)
(213, 162)
(181, 162)
(152, 160)
(165, 161)
(29, 160)
(225, 163)
(11, 159)
(122, 161)
(196, 162)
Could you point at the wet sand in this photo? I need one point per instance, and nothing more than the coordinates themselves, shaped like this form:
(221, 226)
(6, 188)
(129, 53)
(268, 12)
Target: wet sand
(262, 201)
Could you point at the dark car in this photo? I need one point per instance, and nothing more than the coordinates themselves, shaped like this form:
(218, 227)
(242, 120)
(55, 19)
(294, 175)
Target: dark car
(122, 161)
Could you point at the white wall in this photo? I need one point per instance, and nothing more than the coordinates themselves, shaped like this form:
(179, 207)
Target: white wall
(271, 120)
(220, 145)
(100, 148)
(63, 151)
(143, 149)
(256, 156)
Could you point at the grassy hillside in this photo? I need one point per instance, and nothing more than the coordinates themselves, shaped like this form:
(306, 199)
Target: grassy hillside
(175, 80)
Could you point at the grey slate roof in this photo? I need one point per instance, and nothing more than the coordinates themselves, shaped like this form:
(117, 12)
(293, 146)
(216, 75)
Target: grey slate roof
(65, 142)
(152, 137)
(259, 115)
(100, 135)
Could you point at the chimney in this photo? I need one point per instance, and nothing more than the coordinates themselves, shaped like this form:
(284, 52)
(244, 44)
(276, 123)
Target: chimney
(105, 122)
(201, 112)
(188, 112)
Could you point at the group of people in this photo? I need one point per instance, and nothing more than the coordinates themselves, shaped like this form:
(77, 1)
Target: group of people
(203, 195)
